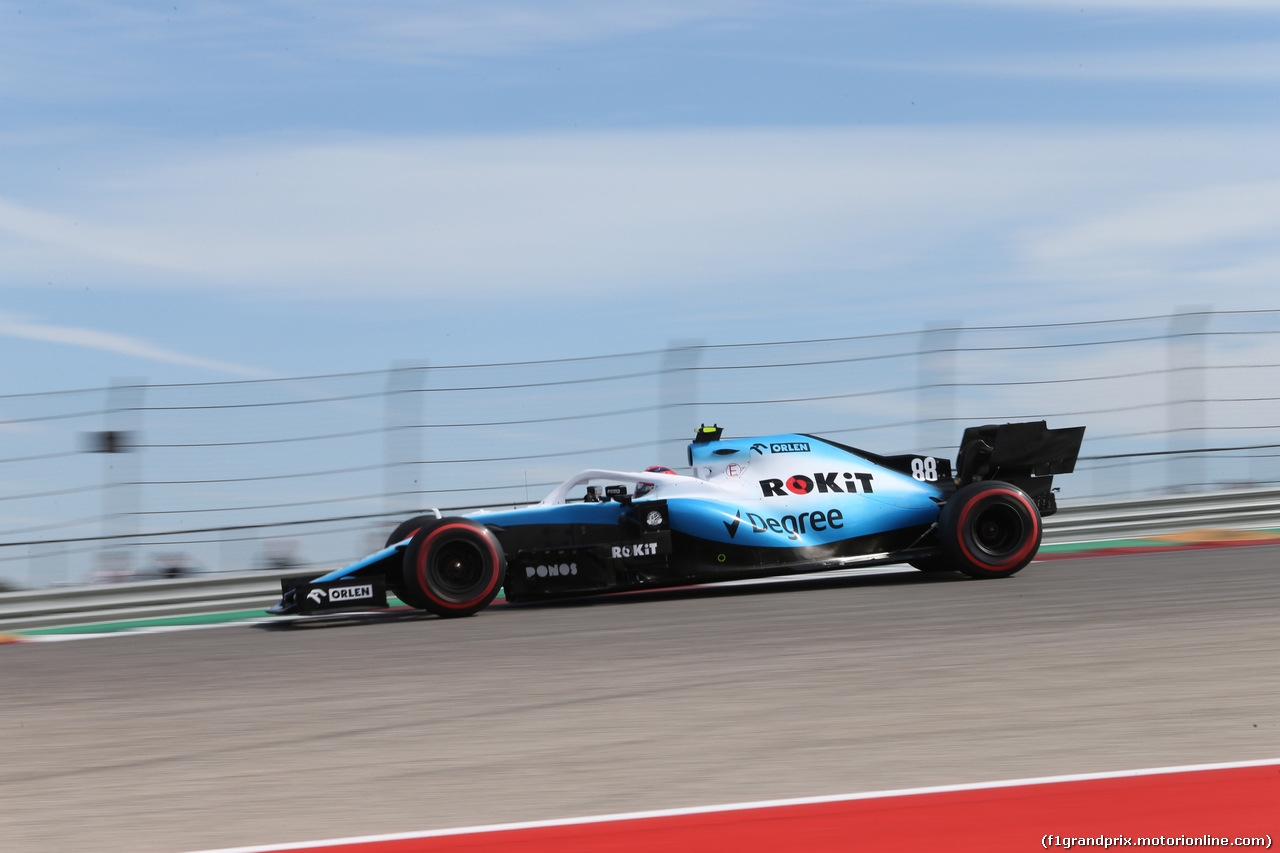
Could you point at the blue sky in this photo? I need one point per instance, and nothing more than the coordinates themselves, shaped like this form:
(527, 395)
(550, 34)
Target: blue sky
(197, 191)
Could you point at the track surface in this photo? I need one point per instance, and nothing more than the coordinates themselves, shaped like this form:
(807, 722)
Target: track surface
(252, 735)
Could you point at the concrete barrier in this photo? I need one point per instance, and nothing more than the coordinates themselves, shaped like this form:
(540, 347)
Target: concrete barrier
(203, 594)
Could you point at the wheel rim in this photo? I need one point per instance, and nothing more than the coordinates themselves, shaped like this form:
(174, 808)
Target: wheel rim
(457, 568)
(998, 530)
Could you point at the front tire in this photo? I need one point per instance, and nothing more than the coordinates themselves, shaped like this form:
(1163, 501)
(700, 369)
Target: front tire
(989, 529)
(407, 528)
(395, 571)
(452, 567)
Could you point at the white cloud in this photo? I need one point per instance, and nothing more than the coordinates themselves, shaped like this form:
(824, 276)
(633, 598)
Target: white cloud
(1163, 7)
(1219, 231)
(99, 241)
(418, 218)
(507, 212)
(1236, 63)
(388, 29)
(468, 28)
(15, 326)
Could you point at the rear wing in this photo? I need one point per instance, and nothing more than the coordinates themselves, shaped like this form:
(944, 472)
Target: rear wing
(1024, 454)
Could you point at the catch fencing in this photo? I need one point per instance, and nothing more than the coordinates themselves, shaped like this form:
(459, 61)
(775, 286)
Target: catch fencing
(138, 480)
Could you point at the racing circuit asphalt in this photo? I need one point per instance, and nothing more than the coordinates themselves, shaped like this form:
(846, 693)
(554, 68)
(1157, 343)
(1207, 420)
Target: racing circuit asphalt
(252, 735)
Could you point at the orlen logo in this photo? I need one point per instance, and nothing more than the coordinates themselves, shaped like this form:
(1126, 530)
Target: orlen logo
(782, 447)
(801, 484)
(347, 593)
(552, 571)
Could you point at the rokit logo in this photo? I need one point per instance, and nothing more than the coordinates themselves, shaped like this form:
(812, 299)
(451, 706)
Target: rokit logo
(794, 526)
(802, 484)
(552, 571)
(350, 593)
(640, 549)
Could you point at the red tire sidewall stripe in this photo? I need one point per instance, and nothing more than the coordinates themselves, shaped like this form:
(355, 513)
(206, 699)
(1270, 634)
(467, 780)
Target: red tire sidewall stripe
(1022, 552)
(424, 551)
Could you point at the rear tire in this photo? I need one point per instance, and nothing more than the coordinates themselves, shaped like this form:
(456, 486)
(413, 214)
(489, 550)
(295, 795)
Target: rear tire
(989, 529)
(452, 567)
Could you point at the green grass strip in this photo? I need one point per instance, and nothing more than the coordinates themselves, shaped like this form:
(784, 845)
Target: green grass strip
(167, 621)
(1082, 547)
(156, 622)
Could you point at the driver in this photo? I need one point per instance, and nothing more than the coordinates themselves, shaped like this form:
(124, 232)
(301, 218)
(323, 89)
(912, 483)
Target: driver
(643, 489)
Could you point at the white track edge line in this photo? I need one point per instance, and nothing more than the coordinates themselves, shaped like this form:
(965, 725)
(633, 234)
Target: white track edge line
(760, 804)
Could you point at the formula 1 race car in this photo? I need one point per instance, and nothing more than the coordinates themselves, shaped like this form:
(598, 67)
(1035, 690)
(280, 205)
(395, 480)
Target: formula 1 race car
(753, 507)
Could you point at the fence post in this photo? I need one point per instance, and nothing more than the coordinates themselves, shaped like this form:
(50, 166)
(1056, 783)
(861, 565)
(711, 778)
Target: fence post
(121, 476)
(935, 387)
(406, 386)
(677, 400)
(1185, 408)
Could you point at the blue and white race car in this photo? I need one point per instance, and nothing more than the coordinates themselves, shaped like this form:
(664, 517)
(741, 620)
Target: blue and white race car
(752, 507)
